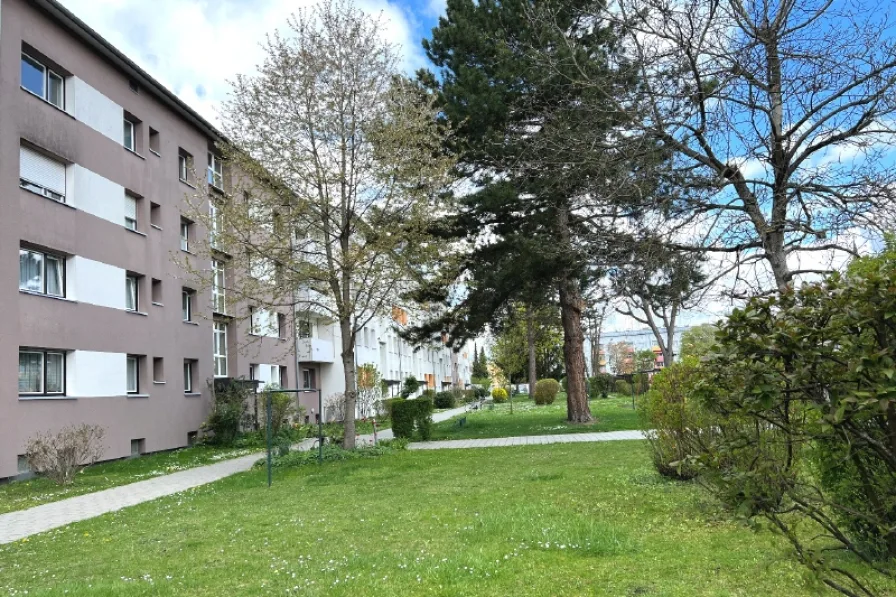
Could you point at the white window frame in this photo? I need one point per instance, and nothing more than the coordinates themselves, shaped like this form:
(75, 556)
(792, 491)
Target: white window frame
(43, 371)
(185, 235)
(188, 377)
(133, 127)
(220, 340)
(186, 305)
(219, 297)
(131, 222)
(136, 386)
(48, 73)
(132, 294)
(215, 172)
(35, 187)
(216, 224)
(45, 257)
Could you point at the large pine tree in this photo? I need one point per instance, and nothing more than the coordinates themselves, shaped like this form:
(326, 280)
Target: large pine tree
(535, 215)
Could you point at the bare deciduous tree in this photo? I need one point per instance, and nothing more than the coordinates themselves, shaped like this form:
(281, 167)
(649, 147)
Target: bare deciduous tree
(334, 165)
(777, 116)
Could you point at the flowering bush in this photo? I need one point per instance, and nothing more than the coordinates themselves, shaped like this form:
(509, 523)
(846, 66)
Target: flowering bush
(499, 395)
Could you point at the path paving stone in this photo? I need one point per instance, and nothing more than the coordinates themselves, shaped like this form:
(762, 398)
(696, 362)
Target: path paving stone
(526, 440)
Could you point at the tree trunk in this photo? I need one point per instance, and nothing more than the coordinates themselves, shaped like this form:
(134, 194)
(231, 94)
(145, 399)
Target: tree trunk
(577, 410)
(530, 341)
(348, 367)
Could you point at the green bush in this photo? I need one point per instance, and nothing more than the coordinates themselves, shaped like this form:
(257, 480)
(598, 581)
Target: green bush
(408, 415)
(499, 395)
(546, 391)
(480, 392)
(674, 421)
(410, 386)
(444, 400)
(428, 393)
(600, 385)
(331, 453)
(623, 387)
(228, 410)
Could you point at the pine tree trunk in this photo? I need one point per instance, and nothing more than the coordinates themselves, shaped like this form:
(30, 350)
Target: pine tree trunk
(577, 410)
(348, 367)
(530, 341)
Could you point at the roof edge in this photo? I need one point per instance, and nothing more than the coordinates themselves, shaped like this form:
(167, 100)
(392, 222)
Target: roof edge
(101, 45)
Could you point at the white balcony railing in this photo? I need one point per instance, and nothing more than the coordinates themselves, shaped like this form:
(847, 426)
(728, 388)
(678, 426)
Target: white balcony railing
(313, 350)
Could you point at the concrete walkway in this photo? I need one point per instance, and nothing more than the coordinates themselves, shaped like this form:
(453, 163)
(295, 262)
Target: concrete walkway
(527, 440)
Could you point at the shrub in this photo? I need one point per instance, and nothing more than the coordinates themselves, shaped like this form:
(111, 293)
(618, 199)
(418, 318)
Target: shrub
(499, 395)
(334, 407)
(283, 410)
(623, 387)
(410, 386)
(228, 410)
(444, 400)
(601, 385)
(480, 392)
(62, 455)
(331, 453)
(408, 415)
(546, 391)
(674, 420)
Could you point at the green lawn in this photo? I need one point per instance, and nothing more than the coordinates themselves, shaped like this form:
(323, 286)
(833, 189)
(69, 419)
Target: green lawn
(19, 495)
(611, 414)
(583, 519)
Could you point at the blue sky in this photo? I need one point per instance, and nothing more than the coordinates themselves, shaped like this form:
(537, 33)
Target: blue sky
(194, 47)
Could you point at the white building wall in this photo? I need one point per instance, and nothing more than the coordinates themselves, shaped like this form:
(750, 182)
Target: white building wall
(95, 109)
(94, 282)
(94, 194)
(95, 374)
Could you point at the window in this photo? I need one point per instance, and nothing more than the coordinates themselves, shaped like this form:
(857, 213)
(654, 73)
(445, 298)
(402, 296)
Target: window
(155, 215)
(185, 227)
(130, 212)
(217, 225)
(43, 82)
(188, 377)
(42, 273)
(275, 375)
(184, 163)
(154, 141)
(219, 302)
(307, 379)
(130, 138)
(133, 375)
(41, 174)
(158, 370)
(41, 372)
(282, 377)
(304, 329)
(215, 171)
(281, 325)
(130, 285)
(187, 304)
(134, 85)
(220, 349)
(156, 292)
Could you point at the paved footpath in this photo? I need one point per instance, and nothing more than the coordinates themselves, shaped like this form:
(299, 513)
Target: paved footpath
(527, 440)
(21, 524)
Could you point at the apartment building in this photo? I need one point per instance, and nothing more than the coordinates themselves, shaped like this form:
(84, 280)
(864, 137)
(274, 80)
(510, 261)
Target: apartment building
(436, 366)
(96, 159)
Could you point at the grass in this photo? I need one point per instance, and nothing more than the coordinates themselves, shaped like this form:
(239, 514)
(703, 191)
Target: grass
(611, 414)
(584, 519)
(19, 495)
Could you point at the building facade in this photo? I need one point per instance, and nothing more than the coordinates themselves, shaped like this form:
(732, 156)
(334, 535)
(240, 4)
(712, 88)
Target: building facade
(436, 366)
(103, 327)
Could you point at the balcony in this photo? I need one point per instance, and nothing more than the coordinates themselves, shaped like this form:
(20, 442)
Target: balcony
(313, 350)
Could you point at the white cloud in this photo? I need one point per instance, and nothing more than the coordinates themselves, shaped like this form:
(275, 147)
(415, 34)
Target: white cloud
(194, 47)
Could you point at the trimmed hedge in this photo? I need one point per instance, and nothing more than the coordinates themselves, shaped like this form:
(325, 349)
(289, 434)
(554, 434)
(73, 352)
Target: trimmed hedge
(408, 415)
(444, 400)
(546, 391)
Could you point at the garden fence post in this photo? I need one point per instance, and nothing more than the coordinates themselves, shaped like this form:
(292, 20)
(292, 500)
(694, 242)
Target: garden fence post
(268, 426)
